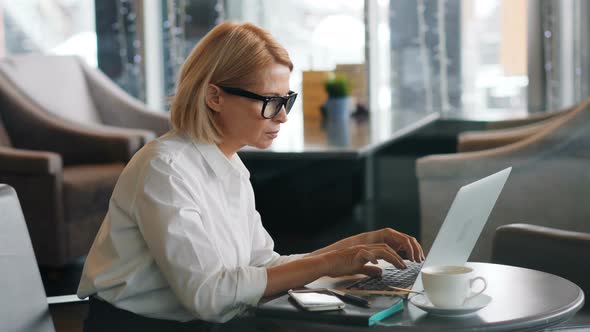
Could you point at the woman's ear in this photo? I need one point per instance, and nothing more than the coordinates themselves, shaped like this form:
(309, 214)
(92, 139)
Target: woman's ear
(213, 98)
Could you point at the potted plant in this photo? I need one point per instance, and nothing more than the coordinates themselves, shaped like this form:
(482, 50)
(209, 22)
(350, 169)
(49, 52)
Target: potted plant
(337, 110)
(339, 103)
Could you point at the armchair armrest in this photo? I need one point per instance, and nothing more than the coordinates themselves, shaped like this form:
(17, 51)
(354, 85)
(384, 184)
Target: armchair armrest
(80, 144)
(531, 119)
(118, 108)
(467, 165)
(22, 162)
(481, 140)
(31, 127)
(524, 243)
(37, 178)
(530, 147)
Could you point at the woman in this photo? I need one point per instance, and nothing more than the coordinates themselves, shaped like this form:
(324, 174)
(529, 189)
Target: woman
(182, 240)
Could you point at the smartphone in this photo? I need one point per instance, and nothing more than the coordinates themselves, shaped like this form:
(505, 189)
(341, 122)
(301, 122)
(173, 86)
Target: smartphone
(316, 301)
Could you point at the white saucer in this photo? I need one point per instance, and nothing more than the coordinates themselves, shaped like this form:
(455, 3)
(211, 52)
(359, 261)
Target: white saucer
(470, 306)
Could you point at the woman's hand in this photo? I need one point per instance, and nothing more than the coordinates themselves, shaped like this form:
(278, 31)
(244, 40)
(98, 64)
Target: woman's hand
(334, 263)
(353, 260)
(345, 257)
(398, 241)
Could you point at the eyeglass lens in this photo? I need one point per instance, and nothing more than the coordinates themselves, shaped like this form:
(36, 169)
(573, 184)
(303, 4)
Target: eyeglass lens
(273, 107)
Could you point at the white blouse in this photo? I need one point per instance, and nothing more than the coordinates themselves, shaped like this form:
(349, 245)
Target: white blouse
(182, 239)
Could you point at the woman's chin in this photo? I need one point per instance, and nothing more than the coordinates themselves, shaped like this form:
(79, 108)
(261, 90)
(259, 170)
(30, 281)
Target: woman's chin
(263, 144)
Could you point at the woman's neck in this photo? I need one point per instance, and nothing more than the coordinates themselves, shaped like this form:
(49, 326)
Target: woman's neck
(228, 150)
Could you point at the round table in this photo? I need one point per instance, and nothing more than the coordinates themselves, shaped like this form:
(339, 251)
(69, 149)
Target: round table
(522, 300)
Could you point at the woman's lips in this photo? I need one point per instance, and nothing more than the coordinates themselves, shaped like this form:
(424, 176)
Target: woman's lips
(273, 134)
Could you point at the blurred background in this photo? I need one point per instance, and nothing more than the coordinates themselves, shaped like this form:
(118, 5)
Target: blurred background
(483, 58)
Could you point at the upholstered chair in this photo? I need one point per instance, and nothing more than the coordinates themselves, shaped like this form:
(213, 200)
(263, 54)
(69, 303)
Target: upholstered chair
(63, 173)
(549, 184)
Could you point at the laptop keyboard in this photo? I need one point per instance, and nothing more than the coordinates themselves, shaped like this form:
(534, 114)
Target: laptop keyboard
(391, 277)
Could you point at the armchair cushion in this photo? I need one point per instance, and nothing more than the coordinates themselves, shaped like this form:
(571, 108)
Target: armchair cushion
(65, 95)
(64, 209)
(87, 191)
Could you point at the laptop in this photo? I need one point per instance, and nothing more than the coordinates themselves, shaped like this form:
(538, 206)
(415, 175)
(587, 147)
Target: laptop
(455, 239)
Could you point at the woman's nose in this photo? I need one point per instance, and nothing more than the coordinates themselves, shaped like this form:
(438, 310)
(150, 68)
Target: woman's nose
(282, 115)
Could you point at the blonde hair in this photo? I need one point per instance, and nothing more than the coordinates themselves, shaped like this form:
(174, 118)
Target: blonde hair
(230, 55)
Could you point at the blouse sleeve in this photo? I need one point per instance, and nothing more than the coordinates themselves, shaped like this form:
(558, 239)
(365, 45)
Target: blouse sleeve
(169, 218)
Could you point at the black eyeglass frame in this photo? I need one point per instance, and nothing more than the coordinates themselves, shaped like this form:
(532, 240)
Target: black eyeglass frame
(292, 95)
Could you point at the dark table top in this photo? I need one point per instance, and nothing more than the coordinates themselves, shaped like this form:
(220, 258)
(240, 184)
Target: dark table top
(522, 300)
(351, 138)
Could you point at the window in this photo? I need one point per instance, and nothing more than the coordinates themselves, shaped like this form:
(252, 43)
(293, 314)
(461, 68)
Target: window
(63, 27)
(453, 56)
(464, 57)
(321, 36)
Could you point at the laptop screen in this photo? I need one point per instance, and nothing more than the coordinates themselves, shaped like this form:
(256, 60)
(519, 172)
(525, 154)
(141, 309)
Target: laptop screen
(465, 221)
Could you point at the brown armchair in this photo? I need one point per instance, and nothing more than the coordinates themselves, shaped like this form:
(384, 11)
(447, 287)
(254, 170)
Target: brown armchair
(68, 88)
(63, 173)
(549, 183)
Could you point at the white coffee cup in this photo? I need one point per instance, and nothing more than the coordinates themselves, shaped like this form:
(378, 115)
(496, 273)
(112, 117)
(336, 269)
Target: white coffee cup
(450, 286)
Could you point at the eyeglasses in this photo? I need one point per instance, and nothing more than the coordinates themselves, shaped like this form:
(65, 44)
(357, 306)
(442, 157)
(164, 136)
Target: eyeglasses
(271, 106)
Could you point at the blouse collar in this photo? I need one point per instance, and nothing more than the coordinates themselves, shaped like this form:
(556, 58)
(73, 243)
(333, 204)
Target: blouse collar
(220, 164)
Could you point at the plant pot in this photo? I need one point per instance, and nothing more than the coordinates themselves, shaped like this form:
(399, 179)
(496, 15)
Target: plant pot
(337, 120)
(338, 109)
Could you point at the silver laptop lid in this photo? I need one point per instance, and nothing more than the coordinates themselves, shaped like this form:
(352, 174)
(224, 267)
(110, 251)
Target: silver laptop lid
(464, 222)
